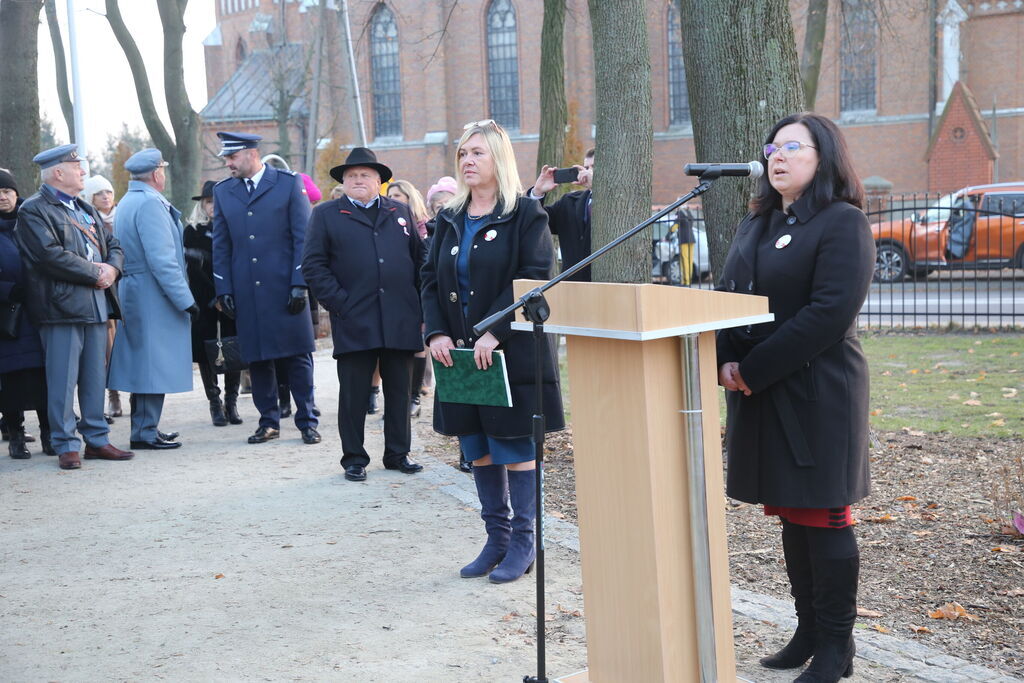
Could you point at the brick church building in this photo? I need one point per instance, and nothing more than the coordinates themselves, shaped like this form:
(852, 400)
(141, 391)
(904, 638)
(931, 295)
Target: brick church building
(922, 109)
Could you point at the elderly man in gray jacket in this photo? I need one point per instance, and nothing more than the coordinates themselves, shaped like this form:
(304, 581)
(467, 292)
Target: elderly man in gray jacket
(152, 353)
(71, 267)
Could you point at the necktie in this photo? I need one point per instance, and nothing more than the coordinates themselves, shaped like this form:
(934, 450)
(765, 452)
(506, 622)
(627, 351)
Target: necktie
(248, 185)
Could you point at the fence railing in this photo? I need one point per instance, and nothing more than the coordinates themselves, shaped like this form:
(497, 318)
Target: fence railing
(952, 260)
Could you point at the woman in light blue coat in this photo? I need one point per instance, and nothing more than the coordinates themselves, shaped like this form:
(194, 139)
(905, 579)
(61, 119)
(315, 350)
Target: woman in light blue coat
(152, 353)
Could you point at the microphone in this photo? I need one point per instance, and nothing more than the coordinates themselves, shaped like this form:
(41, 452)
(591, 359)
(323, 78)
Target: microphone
(754, 169)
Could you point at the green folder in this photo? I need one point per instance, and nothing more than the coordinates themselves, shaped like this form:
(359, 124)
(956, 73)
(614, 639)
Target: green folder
(463, 382)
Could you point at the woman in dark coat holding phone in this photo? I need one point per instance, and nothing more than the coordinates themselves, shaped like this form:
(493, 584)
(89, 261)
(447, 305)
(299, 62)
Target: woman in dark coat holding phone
(487, 236)
(797, 387)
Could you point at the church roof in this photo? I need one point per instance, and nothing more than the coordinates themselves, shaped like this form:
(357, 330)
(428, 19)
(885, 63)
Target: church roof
(251, 92)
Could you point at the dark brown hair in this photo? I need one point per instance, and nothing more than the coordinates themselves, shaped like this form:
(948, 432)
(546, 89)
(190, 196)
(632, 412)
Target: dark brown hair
(835, 179)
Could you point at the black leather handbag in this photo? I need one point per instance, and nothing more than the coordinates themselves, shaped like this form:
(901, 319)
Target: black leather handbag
(224, 355)
(10, 318)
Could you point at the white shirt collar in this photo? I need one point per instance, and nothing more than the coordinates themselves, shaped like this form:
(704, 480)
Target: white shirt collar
(367, 205)
(257, 176)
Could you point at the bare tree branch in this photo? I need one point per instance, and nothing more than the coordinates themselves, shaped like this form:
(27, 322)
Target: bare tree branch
(156, 128)
(60, 62)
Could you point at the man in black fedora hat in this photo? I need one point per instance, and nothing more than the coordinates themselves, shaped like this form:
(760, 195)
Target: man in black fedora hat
(362, 261)
(259, 227)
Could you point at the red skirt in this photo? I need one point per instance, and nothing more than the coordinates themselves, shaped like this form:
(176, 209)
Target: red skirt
(828, 518)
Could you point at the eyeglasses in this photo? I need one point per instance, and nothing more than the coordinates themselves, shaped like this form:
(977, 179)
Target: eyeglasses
(480, 124)
(787, 149)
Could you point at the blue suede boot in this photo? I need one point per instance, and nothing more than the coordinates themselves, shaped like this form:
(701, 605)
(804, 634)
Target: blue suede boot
(521, 549)
(492, 488)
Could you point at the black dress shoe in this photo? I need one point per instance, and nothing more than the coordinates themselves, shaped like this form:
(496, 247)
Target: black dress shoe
(172, 436)
(355, 473)
(156, 445)
(286, 410)
(310, 435)
(264, 434)
(404, 465)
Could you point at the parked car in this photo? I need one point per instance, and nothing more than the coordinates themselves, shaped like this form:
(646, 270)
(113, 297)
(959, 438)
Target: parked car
(977, 227)
(671, 271)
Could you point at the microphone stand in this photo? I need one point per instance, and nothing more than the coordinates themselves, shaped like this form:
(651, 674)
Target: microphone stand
(536, 311)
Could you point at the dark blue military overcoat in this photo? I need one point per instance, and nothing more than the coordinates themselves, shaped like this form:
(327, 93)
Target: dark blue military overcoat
(257, 259)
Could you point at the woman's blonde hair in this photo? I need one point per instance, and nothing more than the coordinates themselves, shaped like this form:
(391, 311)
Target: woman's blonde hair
(416, 204)
(505, 170)
(198, 216)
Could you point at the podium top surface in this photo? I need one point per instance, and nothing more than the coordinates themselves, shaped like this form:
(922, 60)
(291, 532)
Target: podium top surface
(640, 312)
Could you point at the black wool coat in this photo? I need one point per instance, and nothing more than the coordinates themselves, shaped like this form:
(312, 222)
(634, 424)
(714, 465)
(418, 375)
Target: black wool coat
(568, 219)
(801, 438)
(366, 274)
(519, 248)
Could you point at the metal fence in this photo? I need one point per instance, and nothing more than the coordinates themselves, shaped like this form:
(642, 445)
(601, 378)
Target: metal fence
(953, 260)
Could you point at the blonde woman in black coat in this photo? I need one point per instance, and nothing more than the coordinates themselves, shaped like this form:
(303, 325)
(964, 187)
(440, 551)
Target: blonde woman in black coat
(797, 388)
(487, 236)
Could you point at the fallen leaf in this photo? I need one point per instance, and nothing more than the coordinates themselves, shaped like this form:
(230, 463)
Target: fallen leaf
(880, 628)
(972, 402)
(510, 616)
(881, 519)
(998, 423)
(1013, 592)
(1009, 392)
(219, 576)
(907, 498)
(865, 612)
(876, 413)
(920, 629)
(1004, 549)
(952, 611)
(925, 460)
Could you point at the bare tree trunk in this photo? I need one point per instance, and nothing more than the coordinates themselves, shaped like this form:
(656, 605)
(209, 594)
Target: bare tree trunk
(623, 174)
(553, 108)
(742, 75)
(814, 40)
(60, 61)
(183, 150)
(312, 130)
(19, 106)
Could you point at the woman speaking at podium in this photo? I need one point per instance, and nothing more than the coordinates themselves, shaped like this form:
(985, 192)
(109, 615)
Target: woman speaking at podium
(488, 235)
(797, 387)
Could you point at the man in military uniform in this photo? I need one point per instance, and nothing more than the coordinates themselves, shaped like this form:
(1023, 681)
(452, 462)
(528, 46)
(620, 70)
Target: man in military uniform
(71, 267)
(259, 227)
(152, 353)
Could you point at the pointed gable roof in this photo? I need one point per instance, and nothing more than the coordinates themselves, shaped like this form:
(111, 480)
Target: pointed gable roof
(961, 96)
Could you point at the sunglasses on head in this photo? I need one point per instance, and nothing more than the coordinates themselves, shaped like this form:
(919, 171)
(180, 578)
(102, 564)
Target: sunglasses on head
(480, 124)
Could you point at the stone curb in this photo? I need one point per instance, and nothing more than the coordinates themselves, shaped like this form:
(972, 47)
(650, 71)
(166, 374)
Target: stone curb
(916, 661)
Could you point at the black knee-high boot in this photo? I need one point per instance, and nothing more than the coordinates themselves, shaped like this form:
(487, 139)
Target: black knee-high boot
(419, 366)
(209, 378)
(835, 566)
(232, 380)
(798, 567)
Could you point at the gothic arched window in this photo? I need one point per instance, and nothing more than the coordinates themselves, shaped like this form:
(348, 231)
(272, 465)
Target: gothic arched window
(503, 64)
(384, 73)
(858, 55)
(678, 99)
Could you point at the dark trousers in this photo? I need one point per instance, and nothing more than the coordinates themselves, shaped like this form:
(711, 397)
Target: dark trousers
(209, 377)
(355, 372)
(264, 390)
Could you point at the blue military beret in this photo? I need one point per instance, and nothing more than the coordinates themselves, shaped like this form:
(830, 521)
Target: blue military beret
(235, 142)
(144, 161)
(57, 155)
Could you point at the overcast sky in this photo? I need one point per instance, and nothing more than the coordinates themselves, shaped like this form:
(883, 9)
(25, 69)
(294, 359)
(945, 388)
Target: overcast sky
(107, 88)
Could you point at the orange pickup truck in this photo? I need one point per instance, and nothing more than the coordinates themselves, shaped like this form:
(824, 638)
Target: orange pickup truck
(978, 227)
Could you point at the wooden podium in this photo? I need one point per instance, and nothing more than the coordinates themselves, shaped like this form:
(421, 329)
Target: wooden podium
(644, 397)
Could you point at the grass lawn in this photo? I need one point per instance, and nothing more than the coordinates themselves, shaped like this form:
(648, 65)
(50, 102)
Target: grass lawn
(960, 383)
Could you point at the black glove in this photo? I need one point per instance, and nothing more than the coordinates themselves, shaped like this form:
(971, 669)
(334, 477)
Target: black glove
(297, 300)
(193, 312)
(16, 294)
(227, 305)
